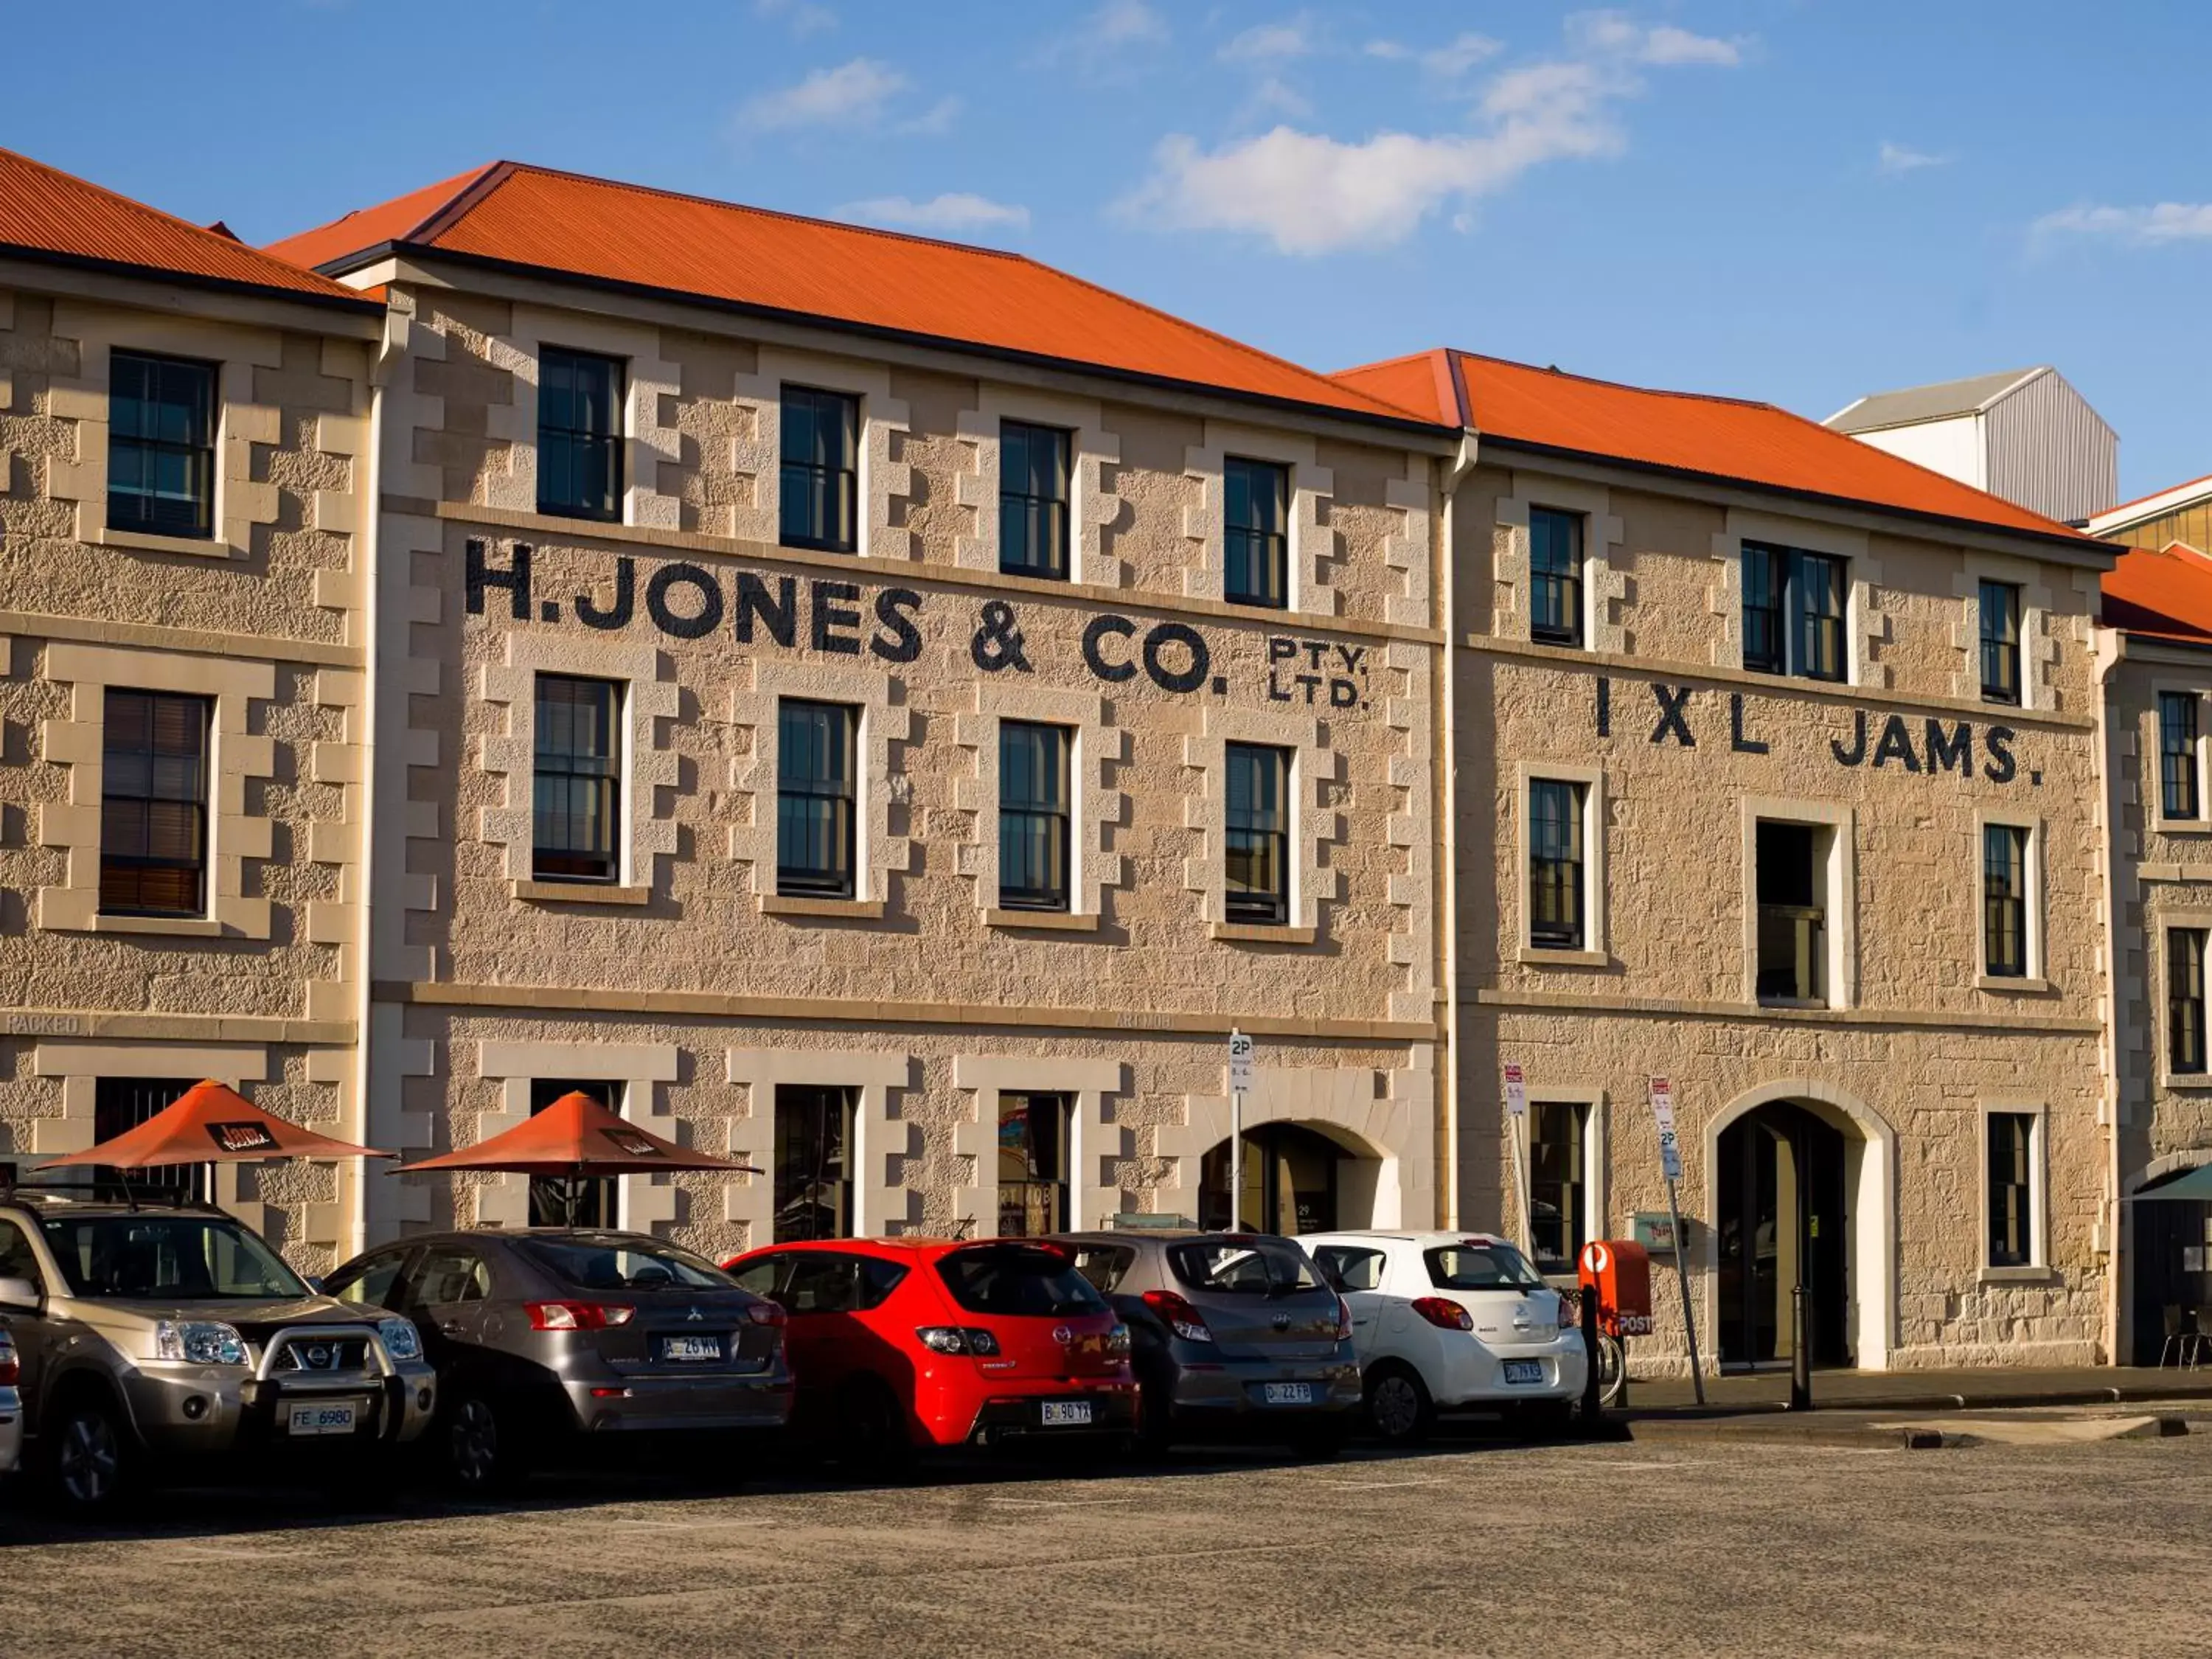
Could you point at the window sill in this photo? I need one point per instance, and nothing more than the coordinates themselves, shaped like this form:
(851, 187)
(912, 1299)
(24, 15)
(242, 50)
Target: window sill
(847, 909)
(2185, 1080)
(578, 892)
(2018, 984)
(1246, 933)
(176, 926)
(1793, 1002)
(2165, 826)
(203, 547)
(1060, 921)
(1545, 956)
(2017, 1276)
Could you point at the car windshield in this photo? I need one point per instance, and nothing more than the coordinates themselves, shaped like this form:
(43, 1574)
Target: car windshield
(168, 1258)
(612, 1264)
(1243, 1268)
(1015, 1279)
(1473, 1266)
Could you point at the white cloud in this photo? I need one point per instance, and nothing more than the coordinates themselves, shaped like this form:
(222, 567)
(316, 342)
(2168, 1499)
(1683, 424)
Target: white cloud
(954, 210)
(1275, 96)
(1668, 46)
(2141, 227)
(1104, 36)
(802, 17)
(1615, 34)
(1269, 42)
(1447, 62)
(938, 117)
(1896, 158)
(851, 94)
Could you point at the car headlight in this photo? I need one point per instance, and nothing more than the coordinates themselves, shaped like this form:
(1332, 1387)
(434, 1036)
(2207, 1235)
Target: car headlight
(401, 1340)
(198, 1342)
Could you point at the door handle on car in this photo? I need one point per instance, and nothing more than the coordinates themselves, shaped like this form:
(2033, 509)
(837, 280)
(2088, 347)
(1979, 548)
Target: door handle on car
(450, 1327)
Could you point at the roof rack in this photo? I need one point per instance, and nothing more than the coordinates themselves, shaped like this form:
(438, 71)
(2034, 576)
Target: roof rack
(100, 1191)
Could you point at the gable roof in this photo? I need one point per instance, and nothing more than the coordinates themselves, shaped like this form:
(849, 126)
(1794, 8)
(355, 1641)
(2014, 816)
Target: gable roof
(1940, 401)
(57, 218)
(2164, 593)
(2175, 498)
(1729, 440)
(632, 238)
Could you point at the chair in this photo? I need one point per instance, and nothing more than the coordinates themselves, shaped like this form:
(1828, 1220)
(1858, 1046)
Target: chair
(2185, 1337)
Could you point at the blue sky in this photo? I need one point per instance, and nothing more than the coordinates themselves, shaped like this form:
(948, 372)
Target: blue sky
(1799, 201)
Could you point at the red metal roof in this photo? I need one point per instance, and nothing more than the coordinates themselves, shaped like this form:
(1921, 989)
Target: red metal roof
(1723, 438)
(2164, 593)
(604, 232)
(51, 214)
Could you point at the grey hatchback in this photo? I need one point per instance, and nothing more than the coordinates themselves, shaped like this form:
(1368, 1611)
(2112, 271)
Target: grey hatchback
(547, 1336)
(1231, 1334)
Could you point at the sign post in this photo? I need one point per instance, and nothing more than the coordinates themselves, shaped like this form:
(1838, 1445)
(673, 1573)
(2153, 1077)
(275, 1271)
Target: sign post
(1671, 1165)
(1517, 1126)
(1240, 1079)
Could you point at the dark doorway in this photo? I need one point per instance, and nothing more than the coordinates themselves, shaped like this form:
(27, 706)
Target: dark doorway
(1781, 1223)
(2172, 1286)
(1290, 1181)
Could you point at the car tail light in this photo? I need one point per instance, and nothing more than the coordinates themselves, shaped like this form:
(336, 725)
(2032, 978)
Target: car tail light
(577, 1316)
(1444, 1315)
(765, 1313)
(8, 1369)
(1343, 1320)
(1178, 1316)
(956, 1339)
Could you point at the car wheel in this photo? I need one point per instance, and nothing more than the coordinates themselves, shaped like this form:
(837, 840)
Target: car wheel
(1399, 1405)
(873, 1440)
(481, 1453)
(93, 1462)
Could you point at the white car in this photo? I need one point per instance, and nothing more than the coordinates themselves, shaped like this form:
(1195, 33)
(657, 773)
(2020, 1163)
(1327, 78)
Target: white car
(1452, 1321)
(11, 1405)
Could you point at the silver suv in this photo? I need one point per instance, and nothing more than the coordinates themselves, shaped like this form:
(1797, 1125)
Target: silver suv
(146, 1331)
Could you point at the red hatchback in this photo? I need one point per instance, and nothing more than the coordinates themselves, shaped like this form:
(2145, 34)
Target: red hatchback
(901, 1345)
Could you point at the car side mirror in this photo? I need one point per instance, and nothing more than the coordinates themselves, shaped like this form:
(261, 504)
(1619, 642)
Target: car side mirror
(19, 1296)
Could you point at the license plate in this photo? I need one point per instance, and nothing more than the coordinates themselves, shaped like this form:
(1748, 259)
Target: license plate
(1066, 1414)
(1287, 1393)
(321, 1419)
(691, 1347)
(1523, 1370)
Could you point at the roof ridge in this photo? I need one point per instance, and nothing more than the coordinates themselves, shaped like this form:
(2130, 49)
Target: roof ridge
(1627, 386)
(2169, 489)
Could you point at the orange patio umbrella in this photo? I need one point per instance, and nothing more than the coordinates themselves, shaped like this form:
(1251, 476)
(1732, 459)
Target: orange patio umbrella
(211, 1123)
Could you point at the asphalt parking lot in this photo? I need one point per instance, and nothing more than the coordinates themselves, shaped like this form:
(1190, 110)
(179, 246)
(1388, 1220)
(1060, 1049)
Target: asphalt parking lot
(1707, 1542)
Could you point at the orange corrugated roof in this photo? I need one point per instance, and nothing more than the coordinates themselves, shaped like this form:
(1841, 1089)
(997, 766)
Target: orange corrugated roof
(2164, 593)
(625, 234)
(1723, 438)
(47, 214)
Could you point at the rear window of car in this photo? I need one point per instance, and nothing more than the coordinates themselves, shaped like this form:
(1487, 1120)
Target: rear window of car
(1242, 1268)
(997, 1280)
(624, 1265)
(1479, 1267)
(1105, 1265)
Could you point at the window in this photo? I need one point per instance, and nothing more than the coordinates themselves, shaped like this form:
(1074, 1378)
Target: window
(1032, 1165)
(1032, 501)
(1256, 833)
(814, 835)
(576, 785)
(1350, 1266)
(17, 1259)
(1793, 612)
(578, 434)
(2000, 608)
(1555, 863)
(1558, 1219)
(1555, 576)
(813, 1163)
(1017, 1280)
(449, 1273)
(1257, 550)
(2184, 1001)
(372, 1284)
(153, 805)
(2011, 1189)
(1032, 816)
(821, 470)
(2004, 901)
(597, 1201)
(2177, 754)
(120, 1104)
(1793, 944)
(160, 445)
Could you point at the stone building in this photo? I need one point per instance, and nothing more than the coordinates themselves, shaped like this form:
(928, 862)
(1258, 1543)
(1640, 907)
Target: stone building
(184, 433)
(1776, 775)
(884, 710)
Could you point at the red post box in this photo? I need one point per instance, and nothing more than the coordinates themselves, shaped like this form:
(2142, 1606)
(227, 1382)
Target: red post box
(1621, 1270)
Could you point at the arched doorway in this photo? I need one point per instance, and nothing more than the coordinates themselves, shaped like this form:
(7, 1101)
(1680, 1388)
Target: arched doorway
(1296, 1180)
(1782, 1225)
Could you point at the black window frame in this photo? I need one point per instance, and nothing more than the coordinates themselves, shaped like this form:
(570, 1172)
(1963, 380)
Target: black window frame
(598, 1197)
(1255, 835)
(2007, 872)
(2185, 1002)
(1558, 877)
(2010, 1189)
(1034, 500)
(809, 1166)
(1562, 1165)
(1041, 1163)
(1027, 816)
(133, 797)
(564, 860)
(572, 453)
(2000, 645)
(823, 484)
(1784, 906)
(1788, 629)
(197, 385)
(1555, 576)
(817, 813)
(2180, 788)
(1256, 552)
